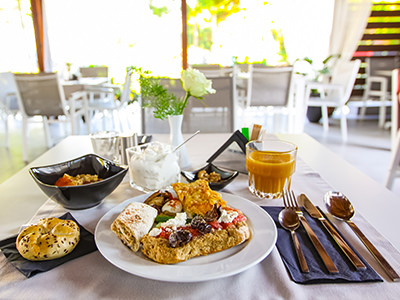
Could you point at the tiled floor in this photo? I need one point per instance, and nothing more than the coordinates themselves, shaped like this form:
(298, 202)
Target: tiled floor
(368, 147)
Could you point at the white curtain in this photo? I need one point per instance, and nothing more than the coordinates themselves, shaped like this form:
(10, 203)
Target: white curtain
(319, 28)
(349, 22)
(306, 27)
(48, 64)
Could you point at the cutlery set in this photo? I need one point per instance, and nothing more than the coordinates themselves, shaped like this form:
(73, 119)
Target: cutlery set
(338, 211)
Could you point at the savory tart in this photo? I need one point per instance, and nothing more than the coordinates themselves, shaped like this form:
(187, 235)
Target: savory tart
(195, 222)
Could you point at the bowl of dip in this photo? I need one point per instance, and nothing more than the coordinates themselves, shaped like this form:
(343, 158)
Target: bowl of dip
(152, 166)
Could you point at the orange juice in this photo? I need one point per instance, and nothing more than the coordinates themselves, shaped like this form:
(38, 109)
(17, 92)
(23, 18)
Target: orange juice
(270, 172)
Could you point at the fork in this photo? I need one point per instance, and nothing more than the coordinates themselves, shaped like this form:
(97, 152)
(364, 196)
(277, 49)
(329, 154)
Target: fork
(289, 220)
(292, 202)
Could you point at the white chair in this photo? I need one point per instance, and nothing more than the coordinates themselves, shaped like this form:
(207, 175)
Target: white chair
(91, 72)
(106, 102)
(41, 95)
(377, 92)
(271, 96)
(8, 100)
(335, 93)
(216, 113)
(213, 73)
(394, 165)
(395, 117)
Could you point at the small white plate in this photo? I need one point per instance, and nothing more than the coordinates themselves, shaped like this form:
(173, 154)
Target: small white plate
(213, 266)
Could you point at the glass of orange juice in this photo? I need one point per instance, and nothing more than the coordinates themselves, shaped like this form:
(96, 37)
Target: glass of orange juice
(270, 164)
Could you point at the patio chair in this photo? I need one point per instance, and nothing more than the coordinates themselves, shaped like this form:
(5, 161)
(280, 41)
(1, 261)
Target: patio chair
(335, 93)
(377, 86)
(8, 101)
(394, 165)
(88, 72)
(41, 95)
(106, 102)
(271, 96)
(212, 71)
(217, 112)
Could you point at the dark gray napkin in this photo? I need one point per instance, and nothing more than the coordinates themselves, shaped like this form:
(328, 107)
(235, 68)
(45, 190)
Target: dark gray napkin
(318, 272)
(30, 268)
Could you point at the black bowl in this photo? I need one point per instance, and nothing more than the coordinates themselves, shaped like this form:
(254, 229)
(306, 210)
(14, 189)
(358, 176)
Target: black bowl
(226, 176)
(79, 196)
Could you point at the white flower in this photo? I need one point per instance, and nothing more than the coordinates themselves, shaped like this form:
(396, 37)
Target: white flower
(195, 83)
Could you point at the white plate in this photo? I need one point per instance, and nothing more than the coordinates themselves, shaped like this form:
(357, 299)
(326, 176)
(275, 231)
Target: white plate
(213, 266)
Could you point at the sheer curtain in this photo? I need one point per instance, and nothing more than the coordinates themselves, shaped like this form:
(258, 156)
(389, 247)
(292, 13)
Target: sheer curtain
(306, 27)
(349, 21)
(317, 29)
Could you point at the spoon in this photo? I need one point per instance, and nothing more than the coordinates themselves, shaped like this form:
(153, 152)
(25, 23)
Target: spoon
(339, 206)
(185, 141)
(289, 220)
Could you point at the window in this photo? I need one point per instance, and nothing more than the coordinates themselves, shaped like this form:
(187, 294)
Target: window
(18, 49)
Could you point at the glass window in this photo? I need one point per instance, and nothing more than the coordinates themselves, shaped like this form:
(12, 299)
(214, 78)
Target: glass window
(117, 34)
(18, 48)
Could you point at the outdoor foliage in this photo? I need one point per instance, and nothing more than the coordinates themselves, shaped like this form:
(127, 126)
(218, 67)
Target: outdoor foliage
(219, 8)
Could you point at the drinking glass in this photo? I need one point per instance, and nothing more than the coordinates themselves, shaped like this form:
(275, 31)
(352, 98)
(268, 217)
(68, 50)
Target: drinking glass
(106, 144)
(270, 165)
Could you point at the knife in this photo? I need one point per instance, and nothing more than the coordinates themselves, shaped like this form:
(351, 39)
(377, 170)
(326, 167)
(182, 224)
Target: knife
(316, 214)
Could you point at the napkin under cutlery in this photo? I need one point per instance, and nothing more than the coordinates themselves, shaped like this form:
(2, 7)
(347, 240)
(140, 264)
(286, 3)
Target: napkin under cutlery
(29, 268)
(318, 273)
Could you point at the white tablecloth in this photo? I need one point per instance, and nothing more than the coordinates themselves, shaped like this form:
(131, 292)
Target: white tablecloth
(93, 277)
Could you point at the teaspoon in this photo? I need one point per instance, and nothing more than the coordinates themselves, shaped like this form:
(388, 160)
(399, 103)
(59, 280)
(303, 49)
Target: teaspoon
(289, 220)
(339, 206)
(185, 141)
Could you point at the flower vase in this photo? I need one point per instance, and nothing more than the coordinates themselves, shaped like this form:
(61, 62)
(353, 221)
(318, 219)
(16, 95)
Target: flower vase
(176, 138)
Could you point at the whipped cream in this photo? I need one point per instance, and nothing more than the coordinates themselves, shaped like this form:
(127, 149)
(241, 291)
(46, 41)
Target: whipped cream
(154, 166)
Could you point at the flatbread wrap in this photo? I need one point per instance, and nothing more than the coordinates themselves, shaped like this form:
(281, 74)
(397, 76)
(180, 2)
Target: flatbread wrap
(133, 223)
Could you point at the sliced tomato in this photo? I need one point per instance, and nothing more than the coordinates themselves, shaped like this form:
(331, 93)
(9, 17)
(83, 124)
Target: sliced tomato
(165, 234)
(216, 225)
(239, 218)
(227, 225)
(193, 232)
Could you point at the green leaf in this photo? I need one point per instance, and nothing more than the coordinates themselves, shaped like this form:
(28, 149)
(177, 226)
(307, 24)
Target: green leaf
(157, 97)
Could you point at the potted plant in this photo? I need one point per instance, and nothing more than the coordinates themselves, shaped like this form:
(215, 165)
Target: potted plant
(166, 105)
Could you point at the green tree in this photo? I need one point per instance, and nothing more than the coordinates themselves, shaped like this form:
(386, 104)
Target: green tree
(221, 9)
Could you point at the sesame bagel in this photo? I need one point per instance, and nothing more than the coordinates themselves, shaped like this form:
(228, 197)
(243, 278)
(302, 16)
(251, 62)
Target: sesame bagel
(50, 238)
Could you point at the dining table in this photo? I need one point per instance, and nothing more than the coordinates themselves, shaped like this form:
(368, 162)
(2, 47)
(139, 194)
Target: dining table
(92, 276)
(84, 91)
